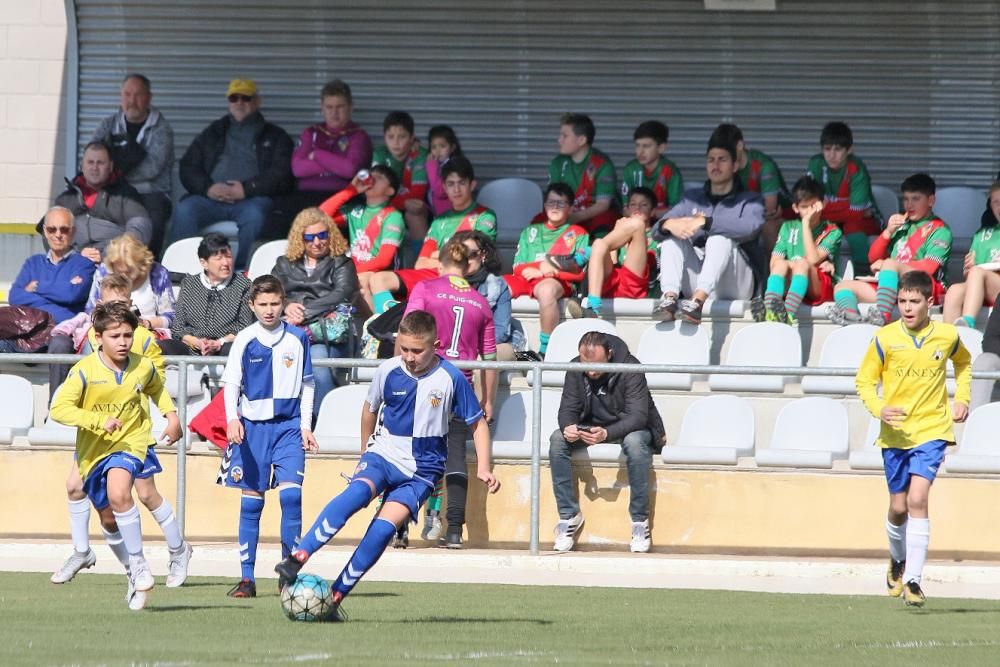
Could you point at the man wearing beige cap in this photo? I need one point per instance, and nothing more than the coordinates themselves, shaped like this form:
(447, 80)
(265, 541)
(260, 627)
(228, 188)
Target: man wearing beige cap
(233, 170)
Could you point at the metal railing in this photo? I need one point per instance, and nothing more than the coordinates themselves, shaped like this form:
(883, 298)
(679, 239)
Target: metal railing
(536, 367)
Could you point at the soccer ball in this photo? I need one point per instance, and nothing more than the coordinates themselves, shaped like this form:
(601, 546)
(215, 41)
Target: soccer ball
(308, 599)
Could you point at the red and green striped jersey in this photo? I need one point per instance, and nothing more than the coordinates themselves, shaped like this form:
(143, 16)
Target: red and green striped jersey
(664, 180)
(412, 172)
(592, 180)
(538, 239)
(475, 217)
(929, 238)
(826, 235)
(371, 227)
(848, 189)
(761, 174)
(986, 245)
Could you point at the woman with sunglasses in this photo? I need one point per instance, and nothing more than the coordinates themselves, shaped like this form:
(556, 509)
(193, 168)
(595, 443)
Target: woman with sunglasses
(320, 284)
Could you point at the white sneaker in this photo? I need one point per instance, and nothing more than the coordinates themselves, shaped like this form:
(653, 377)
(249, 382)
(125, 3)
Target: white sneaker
(76, 562)
(433, 527)
(566, 532)
(641, 540)
(177, 573)
(136, 600)
(142, 578)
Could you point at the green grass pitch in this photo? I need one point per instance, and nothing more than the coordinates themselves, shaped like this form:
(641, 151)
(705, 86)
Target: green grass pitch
(87, 623)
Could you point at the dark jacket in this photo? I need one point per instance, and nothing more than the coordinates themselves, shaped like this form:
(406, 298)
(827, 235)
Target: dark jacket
(205, 313)
(333, 282)
(627, 396)
(274, 160)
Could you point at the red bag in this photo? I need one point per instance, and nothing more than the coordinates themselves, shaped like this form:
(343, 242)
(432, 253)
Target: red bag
(30, 328)
(210, 423)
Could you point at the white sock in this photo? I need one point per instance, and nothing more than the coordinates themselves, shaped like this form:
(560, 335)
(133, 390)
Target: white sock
(164, 515)
(918, 535)
(897, 540)
(79, 524)
(117, 546)
(130, 528)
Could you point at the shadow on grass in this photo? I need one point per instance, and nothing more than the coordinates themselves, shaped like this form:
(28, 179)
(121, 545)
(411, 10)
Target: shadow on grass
(957, 610)
(468, 620)
(196, 607)
(374, 595)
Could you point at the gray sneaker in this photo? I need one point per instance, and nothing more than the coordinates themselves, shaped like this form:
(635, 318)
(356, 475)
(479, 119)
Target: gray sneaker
(667, 307)
(758, 309)
(875, 316)
(433, 526)
(841, 317)
(76, 562)
(178, 568)
(573, 309)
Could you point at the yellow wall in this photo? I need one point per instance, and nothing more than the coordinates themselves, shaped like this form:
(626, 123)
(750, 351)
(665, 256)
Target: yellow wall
(694, 511)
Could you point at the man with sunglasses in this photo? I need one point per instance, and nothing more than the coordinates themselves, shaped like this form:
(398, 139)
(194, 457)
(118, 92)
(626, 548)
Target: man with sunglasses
(233, 170)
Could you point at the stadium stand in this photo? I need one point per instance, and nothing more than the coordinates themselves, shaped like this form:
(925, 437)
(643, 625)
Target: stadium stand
(564, 343)
(961, 207)
(515, 201)
(706, 438)
(869, 457)
(886, 200)
(17, 410)
(182, 256)
(808, 433)
(264, 257)
(760, 344)
(673, 343)
(843, 348)
(338, 424)
(977, 452)
(512, 438)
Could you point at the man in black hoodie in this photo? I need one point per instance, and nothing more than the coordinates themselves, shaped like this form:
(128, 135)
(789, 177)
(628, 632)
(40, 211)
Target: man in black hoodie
(605, 407)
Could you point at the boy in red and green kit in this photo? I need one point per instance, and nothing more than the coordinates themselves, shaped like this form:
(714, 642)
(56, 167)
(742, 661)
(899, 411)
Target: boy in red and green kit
(651, 168)
(535, 275)
(403, 154)
(588, 172)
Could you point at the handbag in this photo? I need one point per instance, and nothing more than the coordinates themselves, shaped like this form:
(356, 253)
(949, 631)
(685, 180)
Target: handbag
(334, 327)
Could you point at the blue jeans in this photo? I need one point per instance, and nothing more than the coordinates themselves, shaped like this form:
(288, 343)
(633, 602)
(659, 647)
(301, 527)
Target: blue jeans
(195, 212)
(324, 377)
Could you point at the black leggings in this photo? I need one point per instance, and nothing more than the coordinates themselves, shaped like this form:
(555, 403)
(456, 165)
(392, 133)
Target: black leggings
(456, 475)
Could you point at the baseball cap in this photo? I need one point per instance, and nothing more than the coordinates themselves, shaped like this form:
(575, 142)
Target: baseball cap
(242, 87)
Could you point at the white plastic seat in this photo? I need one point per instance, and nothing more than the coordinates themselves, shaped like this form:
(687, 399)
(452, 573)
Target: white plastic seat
(52, 433)
(264, 258)
(565, 343)
(715, 430)
(886, 200)
(338, 424)
(515, 201)
(962, 208)
(227, 228)
(869, 457)
(673, 343)
(843, 348)
(972, 339)
(760, 344)
(182, 256)
(512, 437)
(808, 433)
(17, 410)
(979, 451)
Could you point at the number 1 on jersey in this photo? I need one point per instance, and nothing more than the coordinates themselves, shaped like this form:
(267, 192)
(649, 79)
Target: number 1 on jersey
(456, 332)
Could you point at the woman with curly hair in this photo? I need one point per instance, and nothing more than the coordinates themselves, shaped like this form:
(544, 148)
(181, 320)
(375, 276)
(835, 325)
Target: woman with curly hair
(152, 293)
(320, 285)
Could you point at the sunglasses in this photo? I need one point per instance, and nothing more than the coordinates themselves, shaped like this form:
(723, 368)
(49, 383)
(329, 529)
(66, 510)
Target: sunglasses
(58, 230)
(556, 203)
(319, 236)
(234, 98)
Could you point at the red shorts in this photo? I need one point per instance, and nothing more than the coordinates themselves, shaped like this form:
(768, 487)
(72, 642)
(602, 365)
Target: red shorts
(867, 226)
(410, 277)
(520, 286)
(623, 283)
(938, 291)
(825, 290)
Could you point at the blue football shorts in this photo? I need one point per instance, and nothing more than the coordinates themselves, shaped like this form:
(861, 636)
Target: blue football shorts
(271, 454)
(397, 485)
(923, 460)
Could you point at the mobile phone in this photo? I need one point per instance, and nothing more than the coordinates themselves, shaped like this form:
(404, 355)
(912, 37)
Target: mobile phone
(587, 429)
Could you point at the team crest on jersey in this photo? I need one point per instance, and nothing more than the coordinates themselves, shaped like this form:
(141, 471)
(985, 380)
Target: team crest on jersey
(459, 283)
(436, 396)
(361, 468)
(288, 359)
(138, 387)
(342, 144)
(570, 237)
(938, 355)
(236, 474)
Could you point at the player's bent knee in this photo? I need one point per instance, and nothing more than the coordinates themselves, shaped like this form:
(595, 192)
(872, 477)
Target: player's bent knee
(800, 266)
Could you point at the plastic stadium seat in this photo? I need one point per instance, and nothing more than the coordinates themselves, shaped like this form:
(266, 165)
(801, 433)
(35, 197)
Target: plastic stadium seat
(182, 256)
(17, 410)
(760, 344)
(715, 430)
(52, 433)
(565, 343)
(843, 348)
(808, 433)
(962, 208)
(227, 228)
(264, 257)
(886, 200)
(673, 343)
(972, 339)
(869, 457)
(338, 425)
(979, 450)
(515, 201)
(512, 436)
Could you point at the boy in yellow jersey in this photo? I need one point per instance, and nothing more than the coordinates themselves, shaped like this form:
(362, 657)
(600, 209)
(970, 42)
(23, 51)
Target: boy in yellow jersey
(105, 397)
(910, 357)
(117, 288)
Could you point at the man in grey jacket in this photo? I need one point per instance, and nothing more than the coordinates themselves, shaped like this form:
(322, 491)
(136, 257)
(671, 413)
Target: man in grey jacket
(142, 147)
(707, 239)
(599, 407)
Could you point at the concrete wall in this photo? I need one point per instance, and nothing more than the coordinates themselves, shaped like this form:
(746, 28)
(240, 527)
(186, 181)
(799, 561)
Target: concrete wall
(32, 106)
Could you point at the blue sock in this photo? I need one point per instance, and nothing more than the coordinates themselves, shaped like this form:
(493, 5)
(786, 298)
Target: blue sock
(291, 518)
(885, 294)
(249, 533)
(383, 301)
(970, 320)
(797, 289)
(846, 299)
(333, 517)
(595, 303)
(370, 549)
(543, 342)
(774, 290)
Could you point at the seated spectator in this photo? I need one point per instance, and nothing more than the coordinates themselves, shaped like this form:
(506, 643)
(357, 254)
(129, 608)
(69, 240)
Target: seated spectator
(57, 281)
(375, 229)
(233, 170)
(484, 273)
(849, 201)
(142, 147)
(802, 262)
(621, 262)
(705, 239)
(212, 306)
(442, 142)
(104, 206)
(982, 280)
(330, 153)
(386, 287)
(989, 361)
(541, 248)
(758, 172)
(320, 284)
(588, 172)
(403, 154)
(915, 240)
(601, 407)
(652, 169)
(152, 293)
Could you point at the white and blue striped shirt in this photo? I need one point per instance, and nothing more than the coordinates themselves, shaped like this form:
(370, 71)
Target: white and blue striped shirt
(269, 368)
